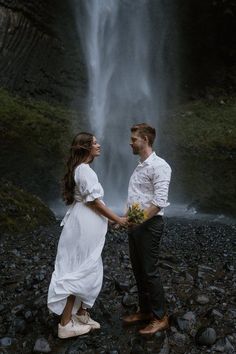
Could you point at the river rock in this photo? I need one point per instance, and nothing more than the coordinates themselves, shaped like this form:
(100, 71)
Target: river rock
(42, 345)
(6, 342)
(165, 348)
(223, 345)
(129, 300)
(179, 241)
(179, 340)
(19, 325)
(202, 299)
(206, 336)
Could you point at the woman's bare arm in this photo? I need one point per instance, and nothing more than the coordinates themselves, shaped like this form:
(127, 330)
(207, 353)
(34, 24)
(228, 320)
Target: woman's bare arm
(102, 209)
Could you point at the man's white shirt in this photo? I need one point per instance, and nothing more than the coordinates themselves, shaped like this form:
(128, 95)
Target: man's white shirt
(149, 183)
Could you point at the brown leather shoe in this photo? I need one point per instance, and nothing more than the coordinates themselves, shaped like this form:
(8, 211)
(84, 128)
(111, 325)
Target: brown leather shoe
(137, 317)
(155, 325)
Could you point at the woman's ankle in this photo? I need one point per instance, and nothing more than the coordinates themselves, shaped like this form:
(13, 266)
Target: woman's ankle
(64, 322)
(81, 312)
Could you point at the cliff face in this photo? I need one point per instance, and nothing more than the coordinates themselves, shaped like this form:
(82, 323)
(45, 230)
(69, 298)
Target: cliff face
(40, 53)
(41, 56)
(207, 47)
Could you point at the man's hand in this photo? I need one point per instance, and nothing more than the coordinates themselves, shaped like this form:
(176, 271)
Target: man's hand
(121, 222)
(151, 211)
(132, 225)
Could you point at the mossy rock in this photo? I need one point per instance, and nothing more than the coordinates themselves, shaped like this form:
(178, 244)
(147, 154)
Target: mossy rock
(34, 140)
(201, 140)
(205, 126)
(21, 211)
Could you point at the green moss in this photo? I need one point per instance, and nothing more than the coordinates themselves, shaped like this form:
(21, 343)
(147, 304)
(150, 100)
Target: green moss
(21, 211)
(206, 125)
(34, 139)
(200, 137)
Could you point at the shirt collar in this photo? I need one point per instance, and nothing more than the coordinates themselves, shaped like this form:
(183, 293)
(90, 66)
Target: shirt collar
(148, 160)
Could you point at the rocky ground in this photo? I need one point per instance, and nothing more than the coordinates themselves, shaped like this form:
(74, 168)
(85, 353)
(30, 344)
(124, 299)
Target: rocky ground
(198, 270)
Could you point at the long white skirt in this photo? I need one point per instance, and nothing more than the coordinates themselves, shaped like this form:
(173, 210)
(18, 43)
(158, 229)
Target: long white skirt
(78, 266)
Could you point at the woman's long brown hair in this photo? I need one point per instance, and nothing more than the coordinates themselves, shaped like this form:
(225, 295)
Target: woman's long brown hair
(79, 153)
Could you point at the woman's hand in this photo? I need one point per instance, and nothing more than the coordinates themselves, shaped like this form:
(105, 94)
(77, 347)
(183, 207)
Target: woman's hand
(122, 221)
(98, 206)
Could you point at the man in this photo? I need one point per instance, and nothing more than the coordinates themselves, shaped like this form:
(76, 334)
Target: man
(148, 186)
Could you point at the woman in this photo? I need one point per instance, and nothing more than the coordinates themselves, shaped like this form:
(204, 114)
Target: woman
(77, 278)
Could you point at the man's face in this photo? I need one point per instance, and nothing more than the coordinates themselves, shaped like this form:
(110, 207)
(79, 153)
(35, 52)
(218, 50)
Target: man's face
(137, 143)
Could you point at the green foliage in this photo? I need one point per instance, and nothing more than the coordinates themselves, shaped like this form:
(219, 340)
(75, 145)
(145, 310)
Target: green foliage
(21, 211)
(205, 126)
(200, 137)
(34, 138)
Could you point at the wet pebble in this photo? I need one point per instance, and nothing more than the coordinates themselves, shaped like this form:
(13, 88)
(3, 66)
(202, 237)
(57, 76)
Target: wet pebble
(6, 342)
(206, 336)
(129, 300)
(202, 299)
(185, 279)
(223, 345)
(187, 321)
(19, 325)
(179, 340)
(42, 345)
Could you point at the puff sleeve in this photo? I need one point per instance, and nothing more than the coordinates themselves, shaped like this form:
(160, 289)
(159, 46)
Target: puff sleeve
(87, 183)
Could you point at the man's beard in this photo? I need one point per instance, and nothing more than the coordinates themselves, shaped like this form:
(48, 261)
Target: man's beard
(135, 151)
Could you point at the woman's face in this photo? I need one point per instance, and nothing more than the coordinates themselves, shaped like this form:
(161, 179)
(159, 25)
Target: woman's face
(96, 148)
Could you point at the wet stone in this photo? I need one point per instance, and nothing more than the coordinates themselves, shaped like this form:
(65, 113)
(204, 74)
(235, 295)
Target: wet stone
(189, 278)
(129, 300)
(136, 349)
(202, 299)
(206, 336)
(78, 345)
(179, 242)
(216, 313)
(40, 276)
(133, 290)
(165, 348)
(216, 289)
(223, 345)
(165, 265)
(18, 309)
(186, 322)
(19, 325)
(6, 342)
(232, 313)
(122, 286)
(179, 339)
(42, 345)
(229, 267)
(29, 316)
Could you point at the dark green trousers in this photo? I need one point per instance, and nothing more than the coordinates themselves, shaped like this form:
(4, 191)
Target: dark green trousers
(144, 241)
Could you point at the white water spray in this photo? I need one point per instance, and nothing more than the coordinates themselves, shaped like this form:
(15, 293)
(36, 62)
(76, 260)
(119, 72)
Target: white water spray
(124, 47)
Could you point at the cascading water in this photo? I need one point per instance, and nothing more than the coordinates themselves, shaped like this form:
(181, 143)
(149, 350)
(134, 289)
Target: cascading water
(125, 49)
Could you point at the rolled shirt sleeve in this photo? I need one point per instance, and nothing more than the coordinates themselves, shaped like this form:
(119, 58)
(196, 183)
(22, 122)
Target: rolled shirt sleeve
(161, 180)
(149, 183)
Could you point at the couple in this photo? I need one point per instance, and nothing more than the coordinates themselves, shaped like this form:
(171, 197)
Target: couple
(78, 274)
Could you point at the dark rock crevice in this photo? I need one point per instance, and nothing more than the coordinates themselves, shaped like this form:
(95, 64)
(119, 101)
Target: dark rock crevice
(40, 51)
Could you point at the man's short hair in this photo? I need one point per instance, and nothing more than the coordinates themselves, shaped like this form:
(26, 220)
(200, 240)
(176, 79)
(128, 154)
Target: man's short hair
(143, 130)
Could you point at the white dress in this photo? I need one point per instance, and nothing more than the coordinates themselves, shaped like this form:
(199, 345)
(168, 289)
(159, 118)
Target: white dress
(78, 266)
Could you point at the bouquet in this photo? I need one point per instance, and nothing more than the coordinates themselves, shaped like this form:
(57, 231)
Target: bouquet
(136, 215)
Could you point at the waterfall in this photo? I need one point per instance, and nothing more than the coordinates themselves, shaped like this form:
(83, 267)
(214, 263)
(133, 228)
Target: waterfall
(125, 44)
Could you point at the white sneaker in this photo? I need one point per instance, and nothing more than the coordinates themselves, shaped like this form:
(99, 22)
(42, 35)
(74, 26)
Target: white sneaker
(72, 329)
(87, 320)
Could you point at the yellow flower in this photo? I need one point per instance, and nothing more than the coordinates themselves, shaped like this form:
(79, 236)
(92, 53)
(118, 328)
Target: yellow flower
(136, 215)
